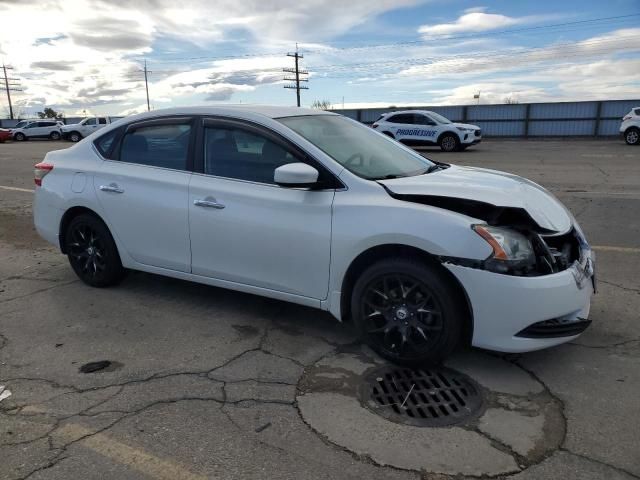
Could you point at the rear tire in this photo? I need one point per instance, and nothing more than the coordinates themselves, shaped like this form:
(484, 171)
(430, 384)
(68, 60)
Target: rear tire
(449, 142)
(407, 311)
(54, 135)
(92, 252)
(632, 136)
(19, 137)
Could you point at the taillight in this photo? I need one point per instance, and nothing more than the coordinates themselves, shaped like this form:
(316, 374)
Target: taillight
(39, 172)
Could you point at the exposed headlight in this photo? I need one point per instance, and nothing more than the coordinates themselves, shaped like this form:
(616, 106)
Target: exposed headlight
(511, 249)
(465, 129)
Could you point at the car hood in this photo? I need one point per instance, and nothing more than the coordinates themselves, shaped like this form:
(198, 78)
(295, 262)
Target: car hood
(70, 125)
(483, 189)
(465, 125)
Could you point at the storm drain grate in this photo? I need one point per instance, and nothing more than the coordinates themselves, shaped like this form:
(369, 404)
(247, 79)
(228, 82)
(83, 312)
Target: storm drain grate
(433, 397)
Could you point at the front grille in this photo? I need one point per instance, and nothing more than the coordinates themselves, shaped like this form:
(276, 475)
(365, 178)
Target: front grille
(559, 252)
(555, 328)
(478, 133)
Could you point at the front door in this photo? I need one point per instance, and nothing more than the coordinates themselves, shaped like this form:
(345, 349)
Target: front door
(248, 230)
(144, 193)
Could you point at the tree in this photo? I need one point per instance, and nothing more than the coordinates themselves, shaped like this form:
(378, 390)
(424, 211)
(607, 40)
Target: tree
(321, 104)
(49, 112)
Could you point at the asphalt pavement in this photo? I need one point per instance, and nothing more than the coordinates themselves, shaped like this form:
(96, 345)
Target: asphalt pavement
(208, 383)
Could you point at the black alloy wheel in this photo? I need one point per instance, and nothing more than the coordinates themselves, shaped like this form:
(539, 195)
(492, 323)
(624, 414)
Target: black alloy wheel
(407, 312)
(92, 252)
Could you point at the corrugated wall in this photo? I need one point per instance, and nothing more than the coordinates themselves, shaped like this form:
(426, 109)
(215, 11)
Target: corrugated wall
(593, 118)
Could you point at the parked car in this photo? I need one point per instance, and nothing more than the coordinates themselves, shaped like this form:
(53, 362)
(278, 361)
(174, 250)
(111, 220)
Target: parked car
(77, 131)
(38, 129)
(422, 128)
(5, 134)
(317, 209)
(630, 127)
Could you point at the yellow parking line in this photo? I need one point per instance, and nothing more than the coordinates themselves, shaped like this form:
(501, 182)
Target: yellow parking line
(609, 248)
(140, 460)
(16, 189)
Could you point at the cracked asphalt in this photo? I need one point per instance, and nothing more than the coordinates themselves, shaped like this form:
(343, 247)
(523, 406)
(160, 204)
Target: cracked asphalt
(206, 383)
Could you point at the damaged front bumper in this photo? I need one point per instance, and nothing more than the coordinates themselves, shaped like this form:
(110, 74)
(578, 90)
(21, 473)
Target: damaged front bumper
(507, 308)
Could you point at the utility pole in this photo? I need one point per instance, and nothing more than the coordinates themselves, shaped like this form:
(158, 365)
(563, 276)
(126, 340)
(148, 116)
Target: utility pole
(146, 84)
(10, 86)
(297, 79)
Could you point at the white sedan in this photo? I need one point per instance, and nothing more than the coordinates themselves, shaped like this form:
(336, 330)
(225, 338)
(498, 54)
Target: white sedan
(314, 208)
(419, 128)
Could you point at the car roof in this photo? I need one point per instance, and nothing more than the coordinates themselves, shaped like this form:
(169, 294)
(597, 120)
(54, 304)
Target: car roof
(408, 111)
(270, 111)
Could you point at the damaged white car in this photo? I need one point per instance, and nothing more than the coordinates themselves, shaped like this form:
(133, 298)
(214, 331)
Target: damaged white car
(313, 208)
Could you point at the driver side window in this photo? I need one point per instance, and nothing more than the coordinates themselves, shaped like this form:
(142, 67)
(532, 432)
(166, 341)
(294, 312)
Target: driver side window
(242, 154)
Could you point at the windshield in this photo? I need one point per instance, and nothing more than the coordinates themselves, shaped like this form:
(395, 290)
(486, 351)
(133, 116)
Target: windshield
(21, 124)
(439, 118)
(358, 148)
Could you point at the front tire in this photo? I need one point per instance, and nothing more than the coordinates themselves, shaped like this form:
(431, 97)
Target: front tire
(92, 252)
(449, 142)
(75, 137)
(54, 136)
(19, 137)
(407, 311)
(632, 136)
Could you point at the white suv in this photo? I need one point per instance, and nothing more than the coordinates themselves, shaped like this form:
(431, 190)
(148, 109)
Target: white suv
(38, 129)
(422, 127)
(630, 127)
(317, 209)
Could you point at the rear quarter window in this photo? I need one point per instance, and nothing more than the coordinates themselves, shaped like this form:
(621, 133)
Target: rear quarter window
(105, 144)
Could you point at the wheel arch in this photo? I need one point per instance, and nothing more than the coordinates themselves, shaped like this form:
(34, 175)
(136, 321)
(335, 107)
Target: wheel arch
(379, 252)
(445, 133)
(69, 215)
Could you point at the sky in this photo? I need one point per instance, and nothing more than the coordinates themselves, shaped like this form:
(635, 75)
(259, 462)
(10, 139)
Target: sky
(87, 57)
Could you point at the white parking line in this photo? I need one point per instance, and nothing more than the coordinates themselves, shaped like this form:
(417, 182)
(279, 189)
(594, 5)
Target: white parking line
(16, 189)
(610, 248)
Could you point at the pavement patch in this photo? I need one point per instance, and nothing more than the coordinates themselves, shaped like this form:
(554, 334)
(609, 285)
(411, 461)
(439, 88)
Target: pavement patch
(522, 425)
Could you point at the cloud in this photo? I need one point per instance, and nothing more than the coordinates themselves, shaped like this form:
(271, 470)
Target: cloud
(60, 65)
(473, 21)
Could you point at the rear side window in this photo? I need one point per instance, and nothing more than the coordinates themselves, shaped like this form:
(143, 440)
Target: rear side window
(406, 118)
(164, 146)
(105, 143)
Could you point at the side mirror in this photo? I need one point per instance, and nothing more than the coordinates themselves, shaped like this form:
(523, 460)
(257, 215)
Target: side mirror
(295, 175)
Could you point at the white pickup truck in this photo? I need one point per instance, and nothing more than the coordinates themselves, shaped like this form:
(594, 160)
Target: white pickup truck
(77, 131)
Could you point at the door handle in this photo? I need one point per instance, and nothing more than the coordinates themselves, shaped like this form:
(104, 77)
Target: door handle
(208, 204)
(113, 188)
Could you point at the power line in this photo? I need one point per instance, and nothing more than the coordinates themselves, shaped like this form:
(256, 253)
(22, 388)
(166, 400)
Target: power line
(445, 37)
(297, 79)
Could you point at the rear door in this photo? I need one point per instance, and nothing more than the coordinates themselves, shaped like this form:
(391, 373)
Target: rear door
(401, 125)
(143, 191)
(248, 230)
